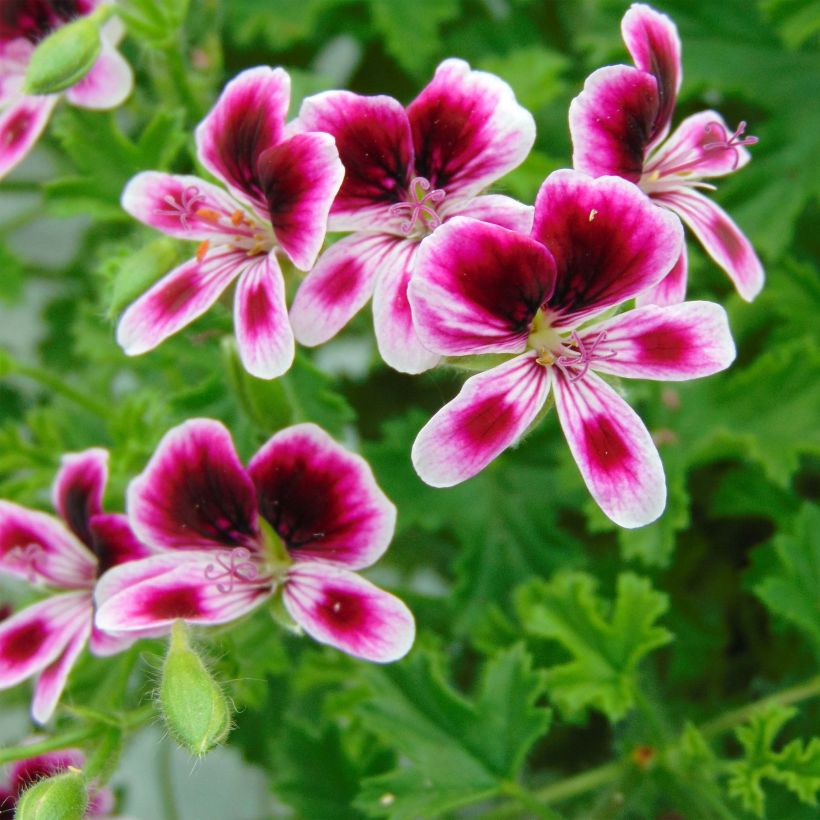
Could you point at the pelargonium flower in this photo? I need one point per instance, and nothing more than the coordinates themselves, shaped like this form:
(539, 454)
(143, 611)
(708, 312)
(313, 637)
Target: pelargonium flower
(302, 515)
(23, 23)
(25, 773)
(68, 555)
(618, 125)
(279, 192)
(406, 172)
(480, 288)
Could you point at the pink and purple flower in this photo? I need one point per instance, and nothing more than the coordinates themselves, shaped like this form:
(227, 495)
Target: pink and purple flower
(280, 189)
(23, 23)
(66, 554)
(299, 520)
(406, 172)
(26, 773)
(619, 124)
(483, 289)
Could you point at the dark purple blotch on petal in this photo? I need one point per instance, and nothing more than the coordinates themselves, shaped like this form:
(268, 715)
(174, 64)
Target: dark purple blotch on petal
(665, 344)
(18, 645)
(605, 446)
(113, 541)
(169, 604)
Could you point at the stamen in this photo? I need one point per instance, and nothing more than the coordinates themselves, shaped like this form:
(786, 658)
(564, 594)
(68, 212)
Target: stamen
(419, 204)
(183, 209)
(202, 249)
(237, 217)
(732, 143)
(234, 567)
(582, 357)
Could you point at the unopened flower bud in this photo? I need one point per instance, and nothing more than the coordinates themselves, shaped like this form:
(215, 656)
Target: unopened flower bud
(61, 797)
(195, 709)
(66, 55)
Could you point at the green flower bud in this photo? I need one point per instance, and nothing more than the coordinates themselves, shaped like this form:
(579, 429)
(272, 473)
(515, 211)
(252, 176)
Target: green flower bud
(66, 55)
(195, 709)
(61, 797)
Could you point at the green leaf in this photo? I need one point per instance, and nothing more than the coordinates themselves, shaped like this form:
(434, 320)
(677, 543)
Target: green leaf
(12, 275)
(766, 412)
(154, 21)
(797, 766)
(413, 38)
(790, 587)
(279, 24)
(606, 643)
(460, 751)
(534, 72)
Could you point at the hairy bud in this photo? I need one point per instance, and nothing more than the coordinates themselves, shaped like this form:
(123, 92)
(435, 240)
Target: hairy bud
(195, 709)
(66, 55)
(61, 797)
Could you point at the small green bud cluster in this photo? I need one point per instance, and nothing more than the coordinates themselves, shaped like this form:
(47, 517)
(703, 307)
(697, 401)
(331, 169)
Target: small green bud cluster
(60, 797)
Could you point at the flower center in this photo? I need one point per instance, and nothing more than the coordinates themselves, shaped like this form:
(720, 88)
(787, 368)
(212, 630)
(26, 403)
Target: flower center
(688, 158)
(183, 208)
(25, 558)
(235, 568)
(420, 207)
(573, 356)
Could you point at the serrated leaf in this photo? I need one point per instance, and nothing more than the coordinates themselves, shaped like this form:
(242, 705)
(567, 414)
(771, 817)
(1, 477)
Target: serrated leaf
(459, 750)
(607, 643)
(153, 21)
(797, 766)
(790, 586)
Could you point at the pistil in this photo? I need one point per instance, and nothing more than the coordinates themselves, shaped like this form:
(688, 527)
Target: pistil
(420, 205)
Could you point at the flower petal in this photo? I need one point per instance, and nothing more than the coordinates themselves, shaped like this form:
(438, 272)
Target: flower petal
(194, 493)
(609, 241)
(177, 299)
(104, 644)
(652, 40)
(52, 679)
(396, 336)
(113, 541)
(721, 238)
(300, 178)
(20, 127)
(24, 773)
(40, 549)
(373, 138)
(699, 147)
(186, 207)
(339, 608)
(495, 208)
(78, 489)
(151, 594)
(35, 637)
(248, 118)
(611, 122)
(477, 288)
(673, 343)
(468, 129)
(263, 332)
(613, 449)
(107, 85)
(339, 286)
(492, 411)
(321, 499)
(671, 290)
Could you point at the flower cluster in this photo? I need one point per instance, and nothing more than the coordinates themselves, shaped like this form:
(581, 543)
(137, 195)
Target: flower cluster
(204, 541)
(453, 271)
(23, 24)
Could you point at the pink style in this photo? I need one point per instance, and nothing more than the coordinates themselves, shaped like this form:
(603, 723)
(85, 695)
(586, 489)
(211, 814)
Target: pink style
(279, 192)
(299, 520)
(23, 23)
(480, 288)
(619, 125)
(66, 555)
(407, 171)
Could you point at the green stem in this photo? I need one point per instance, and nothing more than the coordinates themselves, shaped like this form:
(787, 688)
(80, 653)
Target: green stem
(728, 720)
(179, 76)
(50, 744)
(529, 801)
(166, 782)
(48, 379)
